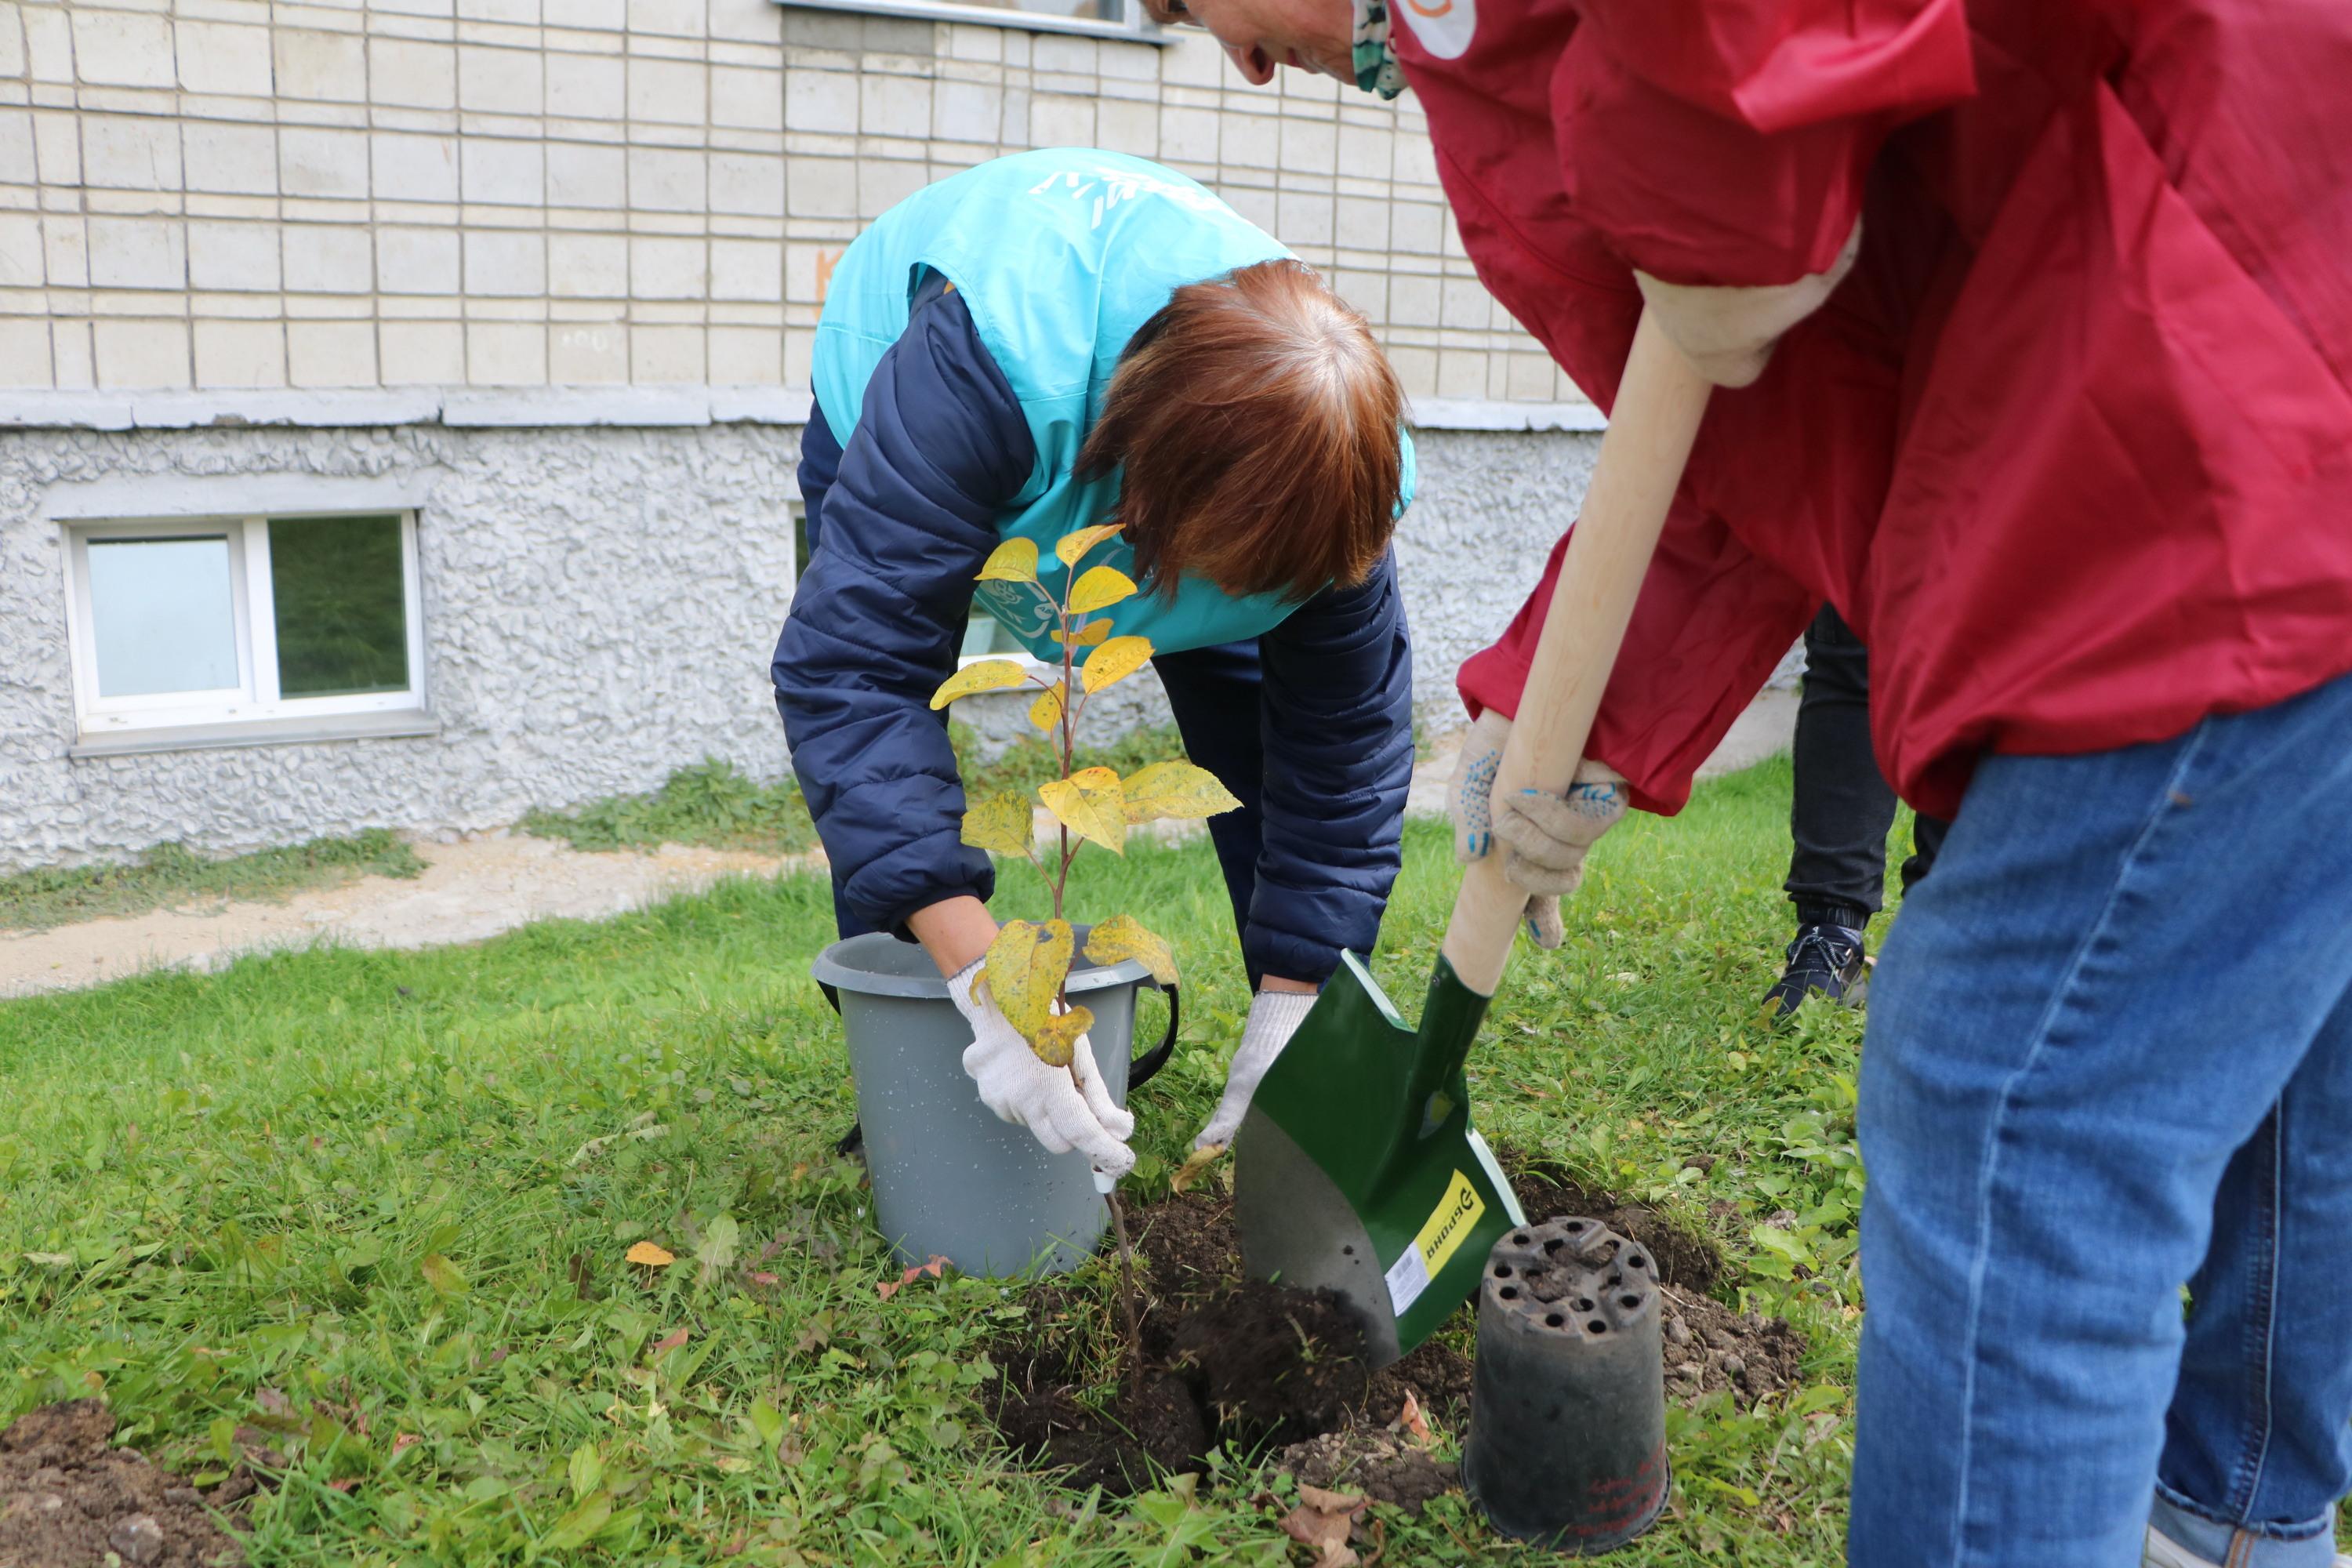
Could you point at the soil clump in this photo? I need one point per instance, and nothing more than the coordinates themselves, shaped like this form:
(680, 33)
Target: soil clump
(1708, 1346)
(1282, 1371)
(67, 1500)
(1690, 1262)
(1233, 1361)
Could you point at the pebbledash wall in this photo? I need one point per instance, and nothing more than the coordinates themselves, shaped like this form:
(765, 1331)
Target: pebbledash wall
(539, 277)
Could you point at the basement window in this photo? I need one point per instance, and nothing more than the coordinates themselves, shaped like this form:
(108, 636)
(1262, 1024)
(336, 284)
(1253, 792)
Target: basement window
(244, 629)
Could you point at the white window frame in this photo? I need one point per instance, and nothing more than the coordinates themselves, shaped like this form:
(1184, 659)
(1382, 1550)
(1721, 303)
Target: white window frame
(1138, 29)
(255, 704)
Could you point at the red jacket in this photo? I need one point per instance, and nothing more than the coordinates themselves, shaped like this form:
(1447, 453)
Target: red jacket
(2071, 449)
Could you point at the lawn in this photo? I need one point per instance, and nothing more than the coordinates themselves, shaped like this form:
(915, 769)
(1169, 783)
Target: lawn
(374, 1206)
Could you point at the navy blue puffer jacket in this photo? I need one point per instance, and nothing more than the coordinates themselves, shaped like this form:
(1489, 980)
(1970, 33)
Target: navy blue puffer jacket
(898, 524)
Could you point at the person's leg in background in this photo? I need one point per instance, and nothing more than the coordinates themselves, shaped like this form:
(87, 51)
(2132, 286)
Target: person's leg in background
(1838, 817)
(2071, 1044)
(1927, 843)
(1214, 694)
(1839, 814)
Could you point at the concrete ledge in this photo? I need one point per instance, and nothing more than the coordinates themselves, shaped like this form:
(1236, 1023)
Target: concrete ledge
(399, 724)
(135, 497)
(569, 407)
(1479, 413)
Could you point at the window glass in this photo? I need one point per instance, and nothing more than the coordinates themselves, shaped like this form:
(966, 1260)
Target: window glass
(342, 612)
(984, 634)
(163, 614)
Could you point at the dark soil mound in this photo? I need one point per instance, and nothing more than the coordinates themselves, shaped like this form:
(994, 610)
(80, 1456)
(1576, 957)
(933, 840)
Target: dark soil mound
(1685, 1260)
(66, 1500)
(1235, 1360)
(1372, 1463)
(1266, 1368)
(1710, 1346)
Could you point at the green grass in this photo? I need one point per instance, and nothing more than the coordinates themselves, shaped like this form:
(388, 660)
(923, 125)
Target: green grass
(712, 805)
(397, 1190)
(715, 805)
(1030, 761)
(170, 875)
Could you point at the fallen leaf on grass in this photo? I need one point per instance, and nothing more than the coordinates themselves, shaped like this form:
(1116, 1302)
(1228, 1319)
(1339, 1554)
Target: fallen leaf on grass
(1410, 1421)
(403, 1440)
(887, 1288)
(670, 1343)
(344, 1485)
(652, 1256)
(1195, 1165)
(1322, 1520)
(761, 1277)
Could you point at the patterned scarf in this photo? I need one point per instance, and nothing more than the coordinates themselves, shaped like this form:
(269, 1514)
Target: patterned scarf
(1376, 64)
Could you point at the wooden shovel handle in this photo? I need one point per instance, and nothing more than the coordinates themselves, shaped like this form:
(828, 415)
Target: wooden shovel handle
(1659, 405)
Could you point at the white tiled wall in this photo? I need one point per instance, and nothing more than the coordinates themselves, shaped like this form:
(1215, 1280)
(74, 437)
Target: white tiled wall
(519, 192)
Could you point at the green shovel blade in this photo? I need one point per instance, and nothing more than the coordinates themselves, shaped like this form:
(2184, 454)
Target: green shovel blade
(1357, 1168)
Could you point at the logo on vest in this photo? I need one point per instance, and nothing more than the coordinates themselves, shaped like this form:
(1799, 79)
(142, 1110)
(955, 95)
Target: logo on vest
(1107, 187)
(1444, 27)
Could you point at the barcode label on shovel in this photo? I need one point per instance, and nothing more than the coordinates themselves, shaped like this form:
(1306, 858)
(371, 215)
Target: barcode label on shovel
(1407, 1276)
(1441, 1236)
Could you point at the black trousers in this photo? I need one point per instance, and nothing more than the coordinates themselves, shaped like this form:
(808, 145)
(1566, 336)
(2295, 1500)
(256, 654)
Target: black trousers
(1842, 807)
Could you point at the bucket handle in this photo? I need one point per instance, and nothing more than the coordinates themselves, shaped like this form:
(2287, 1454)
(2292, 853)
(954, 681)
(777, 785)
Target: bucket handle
(1141, 1070)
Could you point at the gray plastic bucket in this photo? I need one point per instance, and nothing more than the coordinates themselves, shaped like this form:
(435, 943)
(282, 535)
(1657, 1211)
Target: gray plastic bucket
(950, 1179)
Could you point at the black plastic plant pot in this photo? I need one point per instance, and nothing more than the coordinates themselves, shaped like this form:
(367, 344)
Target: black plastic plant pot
(1568, 1417)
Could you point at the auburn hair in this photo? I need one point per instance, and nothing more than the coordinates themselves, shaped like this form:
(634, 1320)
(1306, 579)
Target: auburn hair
(1259, 430)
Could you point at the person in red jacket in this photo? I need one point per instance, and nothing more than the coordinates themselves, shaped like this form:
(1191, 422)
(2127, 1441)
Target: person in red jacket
(2036, 328)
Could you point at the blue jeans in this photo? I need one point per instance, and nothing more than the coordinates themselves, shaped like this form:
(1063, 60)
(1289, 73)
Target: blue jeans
(2110, 1055)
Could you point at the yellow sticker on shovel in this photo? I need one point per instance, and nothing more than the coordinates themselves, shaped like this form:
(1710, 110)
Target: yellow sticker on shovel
(1441, 1235)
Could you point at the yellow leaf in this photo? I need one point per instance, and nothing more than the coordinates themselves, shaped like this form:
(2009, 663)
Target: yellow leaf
(1115, 661)
(1175, 789)
(987, 675)
(1072, 547)
(652, 1256)
(1003, 822)
(1090, 805)
(1024, 969)
(1089, 635)
(1098, 588)
(1046, 712)
(1014, 560)
(1195, 1165)
(1122, 937)
(1058, 1042)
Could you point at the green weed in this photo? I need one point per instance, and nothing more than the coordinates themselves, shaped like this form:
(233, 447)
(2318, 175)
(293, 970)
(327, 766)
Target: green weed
(712, 805)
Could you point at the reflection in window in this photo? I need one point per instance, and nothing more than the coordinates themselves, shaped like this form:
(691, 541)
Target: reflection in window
(343, 609)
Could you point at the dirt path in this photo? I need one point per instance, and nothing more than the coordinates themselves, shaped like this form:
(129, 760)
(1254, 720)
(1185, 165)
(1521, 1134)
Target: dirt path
(469, 890)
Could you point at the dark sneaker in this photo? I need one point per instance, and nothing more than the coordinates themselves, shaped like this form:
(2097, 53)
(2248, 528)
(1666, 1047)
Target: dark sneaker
(1826, 958)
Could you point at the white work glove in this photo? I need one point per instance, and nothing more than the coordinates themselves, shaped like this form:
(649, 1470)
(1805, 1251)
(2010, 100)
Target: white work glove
(1545, 836)
(1064, 1107)
(1273, 1017)
(1728, 333)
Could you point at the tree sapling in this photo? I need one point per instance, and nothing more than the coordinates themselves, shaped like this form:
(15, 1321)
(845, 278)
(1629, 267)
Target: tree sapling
(1029, 962)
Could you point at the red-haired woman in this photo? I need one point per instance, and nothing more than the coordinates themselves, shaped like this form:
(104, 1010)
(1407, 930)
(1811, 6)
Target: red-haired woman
(2059, 419)
(1064, 338)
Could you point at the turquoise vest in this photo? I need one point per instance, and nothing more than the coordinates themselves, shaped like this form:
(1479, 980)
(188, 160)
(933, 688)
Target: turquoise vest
(1060, 255)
